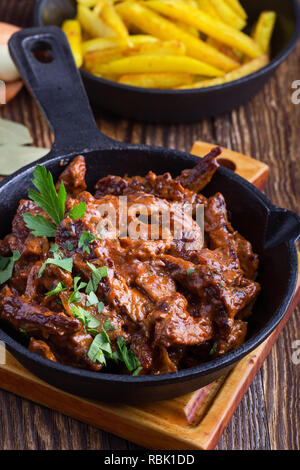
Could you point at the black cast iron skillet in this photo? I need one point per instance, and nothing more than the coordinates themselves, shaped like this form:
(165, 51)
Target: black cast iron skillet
(184, 105)
(272, 231)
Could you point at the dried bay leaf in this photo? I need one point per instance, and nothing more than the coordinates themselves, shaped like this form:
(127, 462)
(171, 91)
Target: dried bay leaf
(13, 157)
(14, 133)
(14, 150)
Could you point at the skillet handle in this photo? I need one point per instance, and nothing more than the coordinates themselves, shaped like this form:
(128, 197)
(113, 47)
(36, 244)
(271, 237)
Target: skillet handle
(283, 226)
(45, 61)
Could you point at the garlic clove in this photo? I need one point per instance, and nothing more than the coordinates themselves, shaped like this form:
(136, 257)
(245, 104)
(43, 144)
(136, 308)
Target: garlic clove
(8, 70)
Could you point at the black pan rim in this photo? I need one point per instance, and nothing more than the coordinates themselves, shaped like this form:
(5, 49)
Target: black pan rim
(176, 377)
(274, 63)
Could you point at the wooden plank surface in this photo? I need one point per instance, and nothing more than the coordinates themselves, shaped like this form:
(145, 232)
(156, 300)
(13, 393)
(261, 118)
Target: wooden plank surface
(267, 128)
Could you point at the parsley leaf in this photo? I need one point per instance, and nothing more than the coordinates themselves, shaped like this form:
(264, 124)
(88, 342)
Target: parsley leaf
(23, 332)
(7, 266)
(190, 271)
(97, 275)
(85, 239)
(92, 299)
(127, 355)
(59, 288)
(66, 264)
(78, 211)
(108, 326)
(48, 199)
(213, 349)
(100, 307)
(75, 296)
(54, 248)
(39, 226)
(84, 316)
(68, 246)
(100, 348)
(137, 371)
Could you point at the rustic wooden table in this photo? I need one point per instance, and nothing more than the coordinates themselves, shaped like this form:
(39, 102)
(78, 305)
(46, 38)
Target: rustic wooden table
(267, 128)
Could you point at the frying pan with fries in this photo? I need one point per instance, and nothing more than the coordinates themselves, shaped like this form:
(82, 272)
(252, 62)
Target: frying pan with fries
(172, 60)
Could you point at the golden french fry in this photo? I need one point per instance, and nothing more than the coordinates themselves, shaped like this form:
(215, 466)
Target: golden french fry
(95, 58)
(72, 30)
(152, 23)
(172, 47)
(187, 28)
(156, 80)
(227, 50)
(103, 56)
(158, 64)
(264, 29)
(228, 15)
(237, 8)
(108, 43)
(212, 27)
(208, 8)
(99, 6)
(99, 44)
(93, 24)
(113, 20)
(244, 70)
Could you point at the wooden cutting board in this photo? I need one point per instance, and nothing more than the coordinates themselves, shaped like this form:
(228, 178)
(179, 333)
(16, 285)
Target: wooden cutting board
(193, 421)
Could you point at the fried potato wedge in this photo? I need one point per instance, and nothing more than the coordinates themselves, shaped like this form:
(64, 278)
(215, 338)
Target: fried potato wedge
(92, 24)
(72, 29)
(157, 64)
(154, 24)
(161, 81)
(114, 21)
(228, 15)
(207, 25)
(237, 8)
(106, 43)
(244, 70)
(264, 29)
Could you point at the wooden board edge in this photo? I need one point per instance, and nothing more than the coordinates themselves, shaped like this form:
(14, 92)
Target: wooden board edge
(238, 382)
(254, 171)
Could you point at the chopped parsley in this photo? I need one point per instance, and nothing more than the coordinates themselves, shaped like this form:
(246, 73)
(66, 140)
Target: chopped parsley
(39, 226)
(213, 349)
(75, 296)
(97, 275)
(100, 349)
(68, 246)
(78, 211)
(92, 299)
(63, 263)
(190, 271)
(48, 199)
(85, 239)
(7, 266)
(23, 332)
(54, 248)
(100, 307)
(127, 355)
(108, 326)
(59, 288)
(85, 317)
